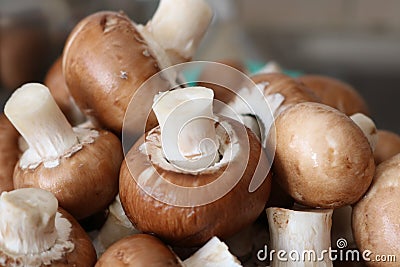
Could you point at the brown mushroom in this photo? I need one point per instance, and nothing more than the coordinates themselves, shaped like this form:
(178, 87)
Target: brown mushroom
(336, 93)
(376, 216)
(199, 195)
(9, 153)
(139, 250)
(55, 81)
(322, 159)
(107, 57)
(34, 233)
(80, 166)
(388, 145)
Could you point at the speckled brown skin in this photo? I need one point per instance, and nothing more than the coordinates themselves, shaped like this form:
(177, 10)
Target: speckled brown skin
(230, 78)
(9, 152)
(83, 254)
(388, 146)
(376, 216)
(55, 81)
(84, 183)
(105, 61)
(293, 91)
(336, 93)
(139, 250)
(322, 157)
(193, 226)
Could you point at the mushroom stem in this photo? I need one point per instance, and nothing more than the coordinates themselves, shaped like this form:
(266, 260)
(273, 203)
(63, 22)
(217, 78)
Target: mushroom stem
(304, 236)
(116, 227)
(179, 25)
(34, 113)
(213, 254)
(27, 221)
(368, 127)
(187, 123)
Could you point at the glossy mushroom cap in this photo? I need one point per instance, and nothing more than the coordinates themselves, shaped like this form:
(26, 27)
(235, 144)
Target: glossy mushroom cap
(139, 250)
(106, 59)
(388, 145)
(194, 225)
(336, 93)
(85, 182)
(376, 216)
(9, 153)
(322, 157)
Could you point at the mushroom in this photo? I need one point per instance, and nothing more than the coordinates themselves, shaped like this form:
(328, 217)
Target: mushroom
(300, 237)
(336, 93)
(107, 57)
(376, 216)
(34, 233)
(9, 152)
(196, 171)
(80, 166)
(388, 145)
(139, 250)
(55, 81)
(322, 158)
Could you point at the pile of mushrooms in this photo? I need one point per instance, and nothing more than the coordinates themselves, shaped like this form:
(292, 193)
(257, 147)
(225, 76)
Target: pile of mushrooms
(197, 183)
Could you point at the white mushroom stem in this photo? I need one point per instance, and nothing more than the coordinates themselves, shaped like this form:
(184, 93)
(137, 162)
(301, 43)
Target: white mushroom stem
(116, 227)
(27, 221)
(368, 127)
(300, 238)
(34, 113)
(213, 254)
(179, 25)
(187, 123)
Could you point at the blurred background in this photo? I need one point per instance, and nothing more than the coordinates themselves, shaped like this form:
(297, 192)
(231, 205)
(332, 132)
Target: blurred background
(357, 41)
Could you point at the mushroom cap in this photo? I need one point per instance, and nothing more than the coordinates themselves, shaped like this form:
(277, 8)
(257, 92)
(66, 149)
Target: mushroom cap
(9, 152)
(83, 254)
(376, 216)
(322, 157)
(195, 225)
(105, 61)
(388, 145)
(84, 183)
(336, 93)
(139, 250)
(293, 91)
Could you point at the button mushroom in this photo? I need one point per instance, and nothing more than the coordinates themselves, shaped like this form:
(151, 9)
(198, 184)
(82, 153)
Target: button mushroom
(376, 216)
(9, 152)
(388, 145)
(79, 166)
(55, 81)
(191, 170)
(322, 157)
(107, 57)
(139, 250)
(34, 233)
(336, 93)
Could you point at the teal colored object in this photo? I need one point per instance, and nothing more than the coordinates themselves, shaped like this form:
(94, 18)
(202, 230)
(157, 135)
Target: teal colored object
(255, 66)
